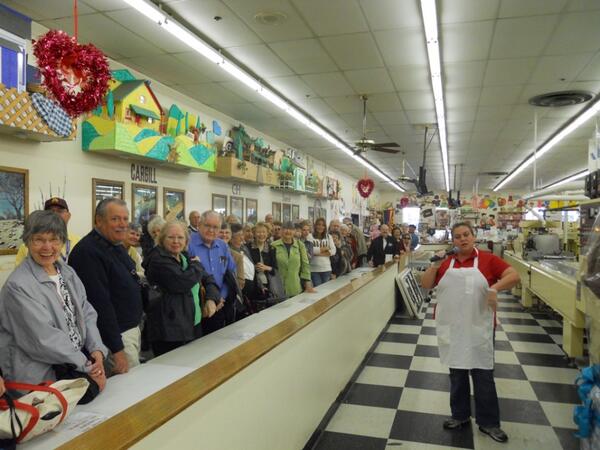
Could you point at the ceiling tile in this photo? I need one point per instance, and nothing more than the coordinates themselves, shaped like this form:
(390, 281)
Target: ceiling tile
(328, 84)
(292, 28)
(389, 14)
(326, 19)
(408, 78)
(457, 98)
(467, 10)
(464, 114)
(211, 93)
(500, 95)
(552, 69)
(304, 56)
(466, 41)
(344, 104)
(509, 71)
(591, 71)
(523, 36)
(494, 112)
(417, 99)
(576, 33)
(47, 9)
(107, 5)
(202, 67)
(93, 28)
(517, 8)
(390, 118)
(148, 30)
(583, 5)
(166, 69)
(292, 87)
(270, 109)
(417, 116)
(402, 47)
(464, 74)
(369, 81)
(384, 102)
(239, 88)
(315, 107)
(230, 31)
(353, 51)
(261, 60)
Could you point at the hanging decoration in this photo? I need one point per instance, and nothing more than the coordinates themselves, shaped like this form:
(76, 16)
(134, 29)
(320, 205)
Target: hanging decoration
(365, 186)
(75, 75)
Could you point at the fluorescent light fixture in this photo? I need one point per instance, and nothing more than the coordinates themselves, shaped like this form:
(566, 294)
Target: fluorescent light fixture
(553, 186)
(155, 14)
(559, 136)
(429, 14)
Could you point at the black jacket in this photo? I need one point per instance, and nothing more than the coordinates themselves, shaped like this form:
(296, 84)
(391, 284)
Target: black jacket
(111, 284)
(268, 256)
(377, 252)
(172, 318)
(341, 262)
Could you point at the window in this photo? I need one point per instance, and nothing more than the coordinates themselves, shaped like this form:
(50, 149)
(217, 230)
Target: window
(150, 120)
(535, 214)
(142, 99)
(411, 216)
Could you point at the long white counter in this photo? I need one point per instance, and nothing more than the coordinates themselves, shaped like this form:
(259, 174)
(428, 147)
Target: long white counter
(301, 353)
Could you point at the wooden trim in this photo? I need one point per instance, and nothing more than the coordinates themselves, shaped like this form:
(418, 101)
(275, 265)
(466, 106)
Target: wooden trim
(130, 426)
(95, 182)
(25, 173)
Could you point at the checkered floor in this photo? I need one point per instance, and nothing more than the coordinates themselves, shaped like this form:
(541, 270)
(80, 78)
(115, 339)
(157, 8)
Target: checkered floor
(401, 397)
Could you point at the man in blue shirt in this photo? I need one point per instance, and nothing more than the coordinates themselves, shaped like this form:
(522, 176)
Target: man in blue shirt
(216, 258)
(414, 237)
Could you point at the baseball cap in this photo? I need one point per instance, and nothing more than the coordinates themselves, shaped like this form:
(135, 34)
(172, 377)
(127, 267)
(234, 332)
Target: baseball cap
(56, 201)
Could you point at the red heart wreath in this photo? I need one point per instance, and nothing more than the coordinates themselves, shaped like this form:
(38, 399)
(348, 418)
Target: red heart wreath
(76, 75)
(365, 187)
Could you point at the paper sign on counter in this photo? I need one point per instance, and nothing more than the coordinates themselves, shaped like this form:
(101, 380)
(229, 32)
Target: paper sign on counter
(81, 421)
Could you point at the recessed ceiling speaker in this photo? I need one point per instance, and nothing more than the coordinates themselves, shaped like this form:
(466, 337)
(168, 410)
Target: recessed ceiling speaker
(270, 17)
(561, 98)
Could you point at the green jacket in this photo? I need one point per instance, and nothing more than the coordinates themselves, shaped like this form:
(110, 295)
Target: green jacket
(293, 267)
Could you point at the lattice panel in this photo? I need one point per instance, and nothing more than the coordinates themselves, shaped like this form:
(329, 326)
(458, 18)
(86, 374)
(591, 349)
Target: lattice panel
(17, 111)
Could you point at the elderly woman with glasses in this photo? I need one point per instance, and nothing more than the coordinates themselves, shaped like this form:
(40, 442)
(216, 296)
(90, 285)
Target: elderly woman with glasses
(174, 317)
(46, 321)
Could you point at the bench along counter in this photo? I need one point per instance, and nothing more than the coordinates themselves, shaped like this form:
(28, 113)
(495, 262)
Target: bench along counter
(264, 382)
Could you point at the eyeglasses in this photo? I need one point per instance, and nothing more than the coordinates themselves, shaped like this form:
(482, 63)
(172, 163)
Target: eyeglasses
(211, 227)
(175, 238)
(38, 242)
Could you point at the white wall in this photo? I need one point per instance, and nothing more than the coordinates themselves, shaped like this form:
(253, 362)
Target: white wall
(53, 163)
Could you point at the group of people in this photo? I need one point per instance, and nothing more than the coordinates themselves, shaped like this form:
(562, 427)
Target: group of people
(91, 304)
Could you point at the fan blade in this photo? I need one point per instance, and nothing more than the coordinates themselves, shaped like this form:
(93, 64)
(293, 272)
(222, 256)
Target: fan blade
(387, 144)
(385, 150)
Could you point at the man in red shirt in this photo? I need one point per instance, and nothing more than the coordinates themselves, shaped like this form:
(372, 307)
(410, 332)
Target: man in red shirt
(467, 288)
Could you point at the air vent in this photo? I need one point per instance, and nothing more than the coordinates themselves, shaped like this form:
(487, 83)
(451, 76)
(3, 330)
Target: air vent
(561, 98)
(270, 17)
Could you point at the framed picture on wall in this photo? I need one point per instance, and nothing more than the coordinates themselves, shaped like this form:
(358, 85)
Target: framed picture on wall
(295, 212)
(276, 211)
(102, 189)
(143, 202)
(286, 212)
(14, 207)
(236, 207)
(173, 204)
(311, 214)
(251, 210)
(219, 204)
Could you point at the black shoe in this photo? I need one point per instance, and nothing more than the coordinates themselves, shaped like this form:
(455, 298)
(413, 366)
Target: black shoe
(495, 433)
(455, 424)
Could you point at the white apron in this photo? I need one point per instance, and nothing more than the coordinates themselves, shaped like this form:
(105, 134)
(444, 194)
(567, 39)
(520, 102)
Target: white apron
(464, 321)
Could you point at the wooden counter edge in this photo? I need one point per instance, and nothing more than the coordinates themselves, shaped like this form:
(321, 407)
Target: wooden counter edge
(134, 423)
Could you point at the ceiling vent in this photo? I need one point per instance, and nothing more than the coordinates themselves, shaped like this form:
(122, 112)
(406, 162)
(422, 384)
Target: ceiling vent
(561, 98)
(270, 17)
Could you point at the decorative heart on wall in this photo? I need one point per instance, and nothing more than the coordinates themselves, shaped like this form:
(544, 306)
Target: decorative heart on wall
(75, 75)
(365, 187)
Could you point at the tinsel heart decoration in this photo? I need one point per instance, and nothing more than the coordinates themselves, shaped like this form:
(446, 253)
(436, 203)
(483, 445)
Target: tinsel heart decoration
(75, 75)
(365, 187)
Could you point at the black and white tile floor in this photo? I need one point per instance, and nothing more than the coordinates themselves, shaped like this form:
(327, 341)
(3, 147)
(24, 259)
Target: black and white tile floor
(400, 398)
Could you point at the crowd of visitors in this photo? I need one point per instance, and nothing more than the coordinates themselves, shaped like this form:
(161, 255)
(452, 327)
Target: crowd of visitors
(89, 306)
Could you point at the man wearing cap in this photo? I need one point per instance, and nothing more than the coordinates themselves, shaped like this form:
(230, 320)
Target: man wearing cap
(60, 207)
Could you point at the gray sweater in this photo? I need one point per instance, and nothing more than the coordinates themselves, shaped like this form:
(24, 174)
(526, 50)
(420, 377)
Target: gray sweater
(33, 330)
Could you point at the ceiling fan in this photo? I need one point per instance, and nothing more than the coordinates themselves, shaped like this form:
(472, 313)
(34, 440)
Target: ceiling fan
(364, 144)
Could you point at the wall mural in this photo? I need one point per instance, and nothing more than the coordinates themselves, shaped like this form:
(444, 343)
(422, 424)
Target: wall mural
(491, 202)
(132, 120)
